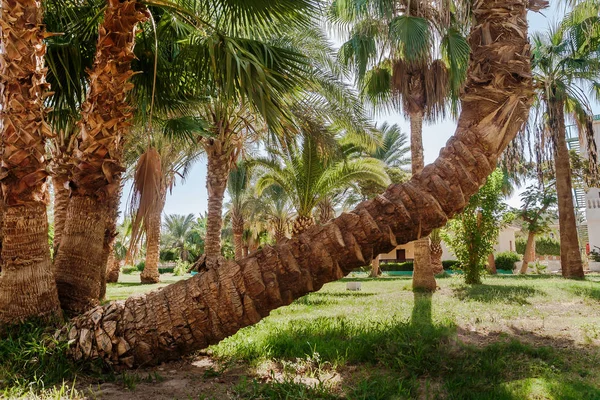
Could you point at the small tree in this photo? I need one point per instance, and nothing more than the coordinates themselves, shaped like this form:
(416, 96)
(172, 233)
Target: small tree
(473, 233)
(537, 212)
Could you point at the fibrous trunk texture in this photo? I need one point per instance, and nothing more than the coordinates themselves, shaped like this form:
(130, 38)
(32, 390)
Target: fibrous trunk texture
(61, 201)
(216, 182)
(423, 277)
(529, 255)
(375, 270)
(301, 224)
(27, 286)
(436, 252)
(217, 302)
(113, 268)
(326, 211)
(110, 235)
(150, 273)
(570, 256)
(96, 163)
(237, 225)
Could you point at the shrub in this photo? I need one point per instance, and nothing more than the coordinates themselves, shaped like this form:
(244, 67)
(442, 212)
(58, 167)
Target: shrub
(395, 266)
(547, 246)
(168, 270)
(169, 255)
(140, 266)
(451, 264)
(520, 244)
(181, 268)
(506, 260)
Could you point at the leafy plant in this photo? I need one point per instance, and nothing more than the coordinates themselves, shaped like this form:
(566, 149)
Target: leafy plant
(181, 268)
(506, 260)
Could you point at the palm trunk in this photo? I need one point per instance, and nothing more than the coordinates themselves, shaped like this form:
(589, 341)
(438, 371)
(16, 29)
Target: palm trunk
(570, 256)
(246, 250)
(375, 270)
(423, 277)
(150, 273)
(301, 223)
(491, 264)
(27, 286)
(61, 201)
(279, 232)
(237, 224)
(529, 255)
(113, 268)
(96, 165)
(216, 303)
(110, 235)
(216, 183)
(436, 251)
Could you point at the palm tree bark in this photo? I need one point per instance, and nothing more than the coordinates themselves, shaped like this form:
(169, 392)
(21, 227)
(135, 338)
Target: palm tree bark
(61, 201)
(529, 255)
(217, 302)
(27, 286)
(216, 182)
(570, 256)
(237, 225)
(436, 251)
(150, 273)
(113, 268)
(423, 278)
(110, 235)
(96, 164)
(375, 270)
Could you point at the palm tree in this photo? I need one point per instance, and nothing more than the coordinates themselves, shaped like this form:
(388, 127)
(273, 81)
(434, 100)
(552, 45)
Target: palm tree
(217, 303)
(309, 176)
(399, 63)
(178, 229)
(237, 189)
(274, 205)
(119, 252)
(562, 67)
(26, 285)
(174, 158)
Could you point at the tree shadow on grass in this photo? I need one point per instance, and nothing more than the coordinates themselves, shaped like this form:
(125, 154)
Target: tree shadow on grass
(497, 293)
(410, 358)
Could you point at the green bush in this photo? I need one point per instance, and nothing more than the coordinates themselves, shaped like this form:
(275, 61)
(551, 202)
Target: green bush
(169, 255)
(506, 260)
(181, 268)
(395, 266)
(520, 244)
(168, 270)
(141, 265)
(544, 246)
(451, 264)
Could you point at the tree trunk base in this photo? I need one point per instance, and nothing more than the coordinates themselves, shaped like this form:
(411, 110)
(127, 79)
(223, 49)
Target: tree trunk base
(149, 279)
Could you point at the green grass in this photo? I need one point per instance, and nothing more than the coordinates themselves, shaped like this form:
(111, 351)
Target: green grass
(511, 338)
(129, 284)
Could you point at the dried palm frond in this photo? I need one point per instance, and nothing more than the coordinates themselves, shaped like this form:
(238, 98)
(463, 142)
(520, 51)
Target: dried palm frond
(437, 87)
(146, 195)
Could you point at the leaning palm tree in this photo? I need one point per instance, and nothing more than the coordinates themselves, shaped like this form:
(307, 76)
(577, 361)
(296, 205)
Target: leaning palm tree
(309, 176)
(217, 303)
(409, 55)
(26, 285)
(563, 64)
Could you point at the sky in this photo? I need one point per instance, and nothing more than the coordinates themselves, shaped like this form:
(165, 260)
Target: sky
(191, 196)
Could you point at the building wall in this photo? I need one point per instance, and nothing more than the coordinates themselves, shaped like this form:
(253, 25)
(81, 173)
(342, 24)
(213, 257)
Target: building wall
(592, 197)
(506, 242)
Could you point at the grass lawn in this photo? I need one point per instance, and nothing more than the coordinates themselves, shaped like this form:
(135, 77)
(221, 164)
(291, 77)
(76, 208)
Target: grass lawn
(513, 337)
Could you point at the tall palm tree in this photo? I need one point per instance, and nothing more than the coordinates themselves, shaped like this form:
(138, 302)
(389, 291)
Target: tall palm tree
(274, 205)
(178, 229)
(563, 64)
(237, 189)
(408, 54)
(175, 159)
(26, 285)
(217, 303)
(309, 176)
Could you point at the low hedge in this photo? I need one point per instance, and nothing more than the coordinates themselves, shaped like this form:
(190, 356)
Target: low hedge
(506, 260)
(409, 266)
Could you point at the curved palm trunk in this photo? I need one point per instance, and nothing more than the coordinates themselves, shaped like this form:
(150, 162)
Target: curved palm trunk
(301, 224)
(529, 255)
(216, 303)
(423, 278)
(61, 201)
(96, 164)
(237, 224)
(27, 286)
(570, 256)
(216, 182)
(150, 273)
